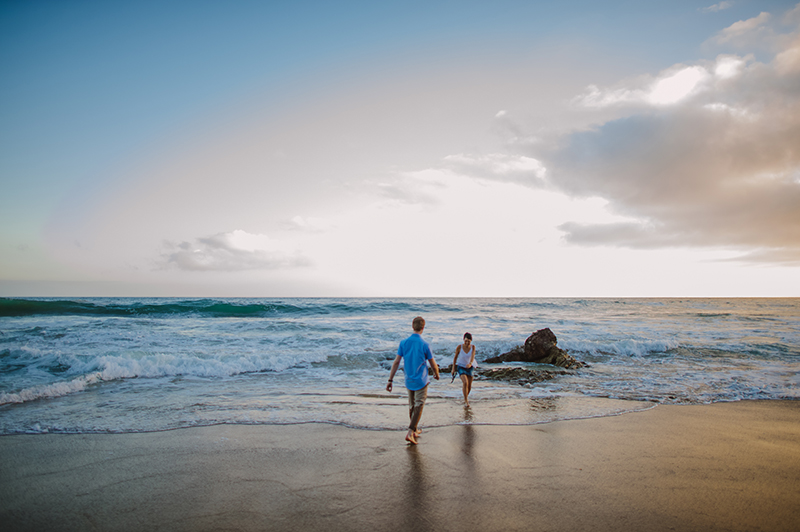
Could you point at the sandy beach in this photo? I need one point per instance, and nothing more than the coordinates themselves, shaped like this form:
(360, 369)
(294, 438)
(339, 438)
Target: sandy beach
(726, 466)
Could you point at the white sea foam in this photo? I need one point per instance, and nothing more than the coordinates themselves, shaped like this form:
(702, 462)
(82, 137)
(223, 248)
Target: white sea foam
(92, 370)
(56, 389)
(627, 347)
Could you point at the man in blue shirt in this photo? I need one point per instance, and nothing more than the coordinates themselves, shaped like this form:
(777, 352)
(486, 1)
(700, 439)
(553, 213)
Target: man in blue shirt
(416, 352)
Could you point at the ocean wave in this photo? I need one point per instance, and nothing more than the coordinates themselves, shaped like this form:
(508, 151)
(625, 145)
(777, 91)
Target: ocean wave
(626, 347)
(212, 308)
(113, 368)
(57, 389)
(165, 365)
(22, 368)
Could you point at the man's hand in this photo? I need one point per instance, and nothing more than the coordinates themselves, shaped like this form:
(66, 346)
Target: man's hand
(395, 365)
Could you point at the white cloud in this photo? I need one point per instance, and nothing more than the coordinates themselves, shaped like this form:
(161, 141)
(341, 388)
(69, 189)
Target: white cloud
(233, 251)
(676, 87)
(594, 97)
(677, 84)
(724, 108)
(499, 166)
(728, 66)
(671, 86)
(717, 7)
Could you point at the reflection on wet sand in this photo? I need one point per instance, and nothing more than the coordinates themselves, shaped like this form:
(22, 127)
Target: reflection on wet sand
(415, 499)
(467, 444)
(468, 417)
(468, 488)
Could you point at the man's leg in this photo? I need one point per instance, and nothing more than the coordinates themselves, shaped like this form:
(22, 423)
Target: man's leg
(411, 436)
(416, 401)
(410, 405)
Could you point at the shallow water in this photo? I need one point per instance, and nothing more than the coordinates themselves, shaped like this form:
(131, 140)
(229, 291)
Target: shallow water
(129, 365)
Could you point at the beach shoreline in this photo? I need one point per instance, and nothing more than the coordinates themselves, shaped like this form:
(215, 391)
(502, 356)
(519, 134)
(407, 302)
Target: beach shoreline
(724, 466)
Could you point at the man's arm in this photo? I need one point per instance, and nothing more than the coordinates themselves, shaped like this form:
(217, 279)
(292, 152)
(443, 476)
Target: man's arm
(395, 365)
(435, 369)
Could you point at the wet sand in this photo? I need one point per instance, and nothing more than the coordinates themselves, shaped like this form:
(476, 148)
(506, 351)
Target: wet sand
(733, 466)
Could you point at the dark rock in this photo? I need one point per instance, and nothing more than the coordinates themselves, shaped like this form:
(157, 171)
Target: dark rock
(520, 376)
(517, 375)
(541, 348)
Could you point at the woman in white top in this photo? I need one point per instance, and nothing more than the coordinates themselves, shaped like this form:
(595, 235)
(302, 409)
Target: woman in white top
(464, 363)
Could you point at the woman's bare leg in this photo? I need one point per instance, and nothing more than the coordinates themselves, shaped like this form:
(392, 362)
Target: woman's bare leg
(465, 388)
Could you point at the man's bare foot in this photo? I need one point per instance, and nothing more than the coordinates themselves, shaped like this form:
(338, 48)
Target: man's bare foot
(418, 433)
(410, 438)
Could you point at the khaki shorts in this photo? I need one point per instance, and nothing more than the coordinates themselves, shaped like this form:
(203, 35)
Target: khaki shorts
(417, 398)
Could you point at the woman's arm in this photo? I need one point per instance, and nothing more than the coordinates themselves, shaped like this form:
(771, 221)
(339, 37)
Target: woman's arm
(472, 358)
(453, 368)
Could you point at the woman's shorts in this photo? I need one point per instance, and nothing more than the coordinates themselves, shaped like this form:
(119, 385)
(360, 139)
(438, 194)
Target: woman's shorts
(464, 371)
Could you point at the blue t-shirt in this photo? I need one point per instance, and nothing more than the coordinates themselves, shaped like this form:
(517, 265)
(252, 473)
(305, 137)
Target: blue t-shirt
(415, 352)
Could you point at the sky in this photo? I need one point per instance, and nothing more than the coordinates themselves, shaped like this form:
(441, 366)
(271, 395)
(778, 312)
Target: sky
(400, 149)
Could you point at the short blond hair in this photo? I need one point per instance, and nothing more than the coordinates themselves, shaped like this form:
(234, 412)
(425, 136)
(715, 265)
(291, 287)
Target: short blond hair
(418, 323)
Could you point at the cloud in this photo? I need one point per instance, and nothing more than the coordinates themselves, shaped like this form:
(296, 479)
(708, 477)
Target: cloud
(717, 7)
(740, 29)
(411, 188)
(761, 33)
(426, 187)
(499, 167)
(764, 32)
(787, 62)
(781, 256)
(669, 87)
(674, 88)
(729, 66)
(233, 251)
(704, 155)
(643, 235)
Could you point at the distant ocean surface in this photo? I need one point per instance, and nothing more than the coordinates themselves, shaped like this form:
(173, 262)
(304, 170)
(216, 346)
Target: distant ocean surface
(142, 364)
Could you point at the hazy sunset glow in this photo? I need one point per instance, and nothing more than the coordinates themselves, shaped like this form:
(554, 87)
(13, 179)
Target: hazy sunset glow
(431, 149)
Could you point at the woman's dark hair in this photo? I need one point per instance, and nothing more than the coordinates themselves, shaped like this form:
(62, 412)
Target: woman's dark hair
(468, 335)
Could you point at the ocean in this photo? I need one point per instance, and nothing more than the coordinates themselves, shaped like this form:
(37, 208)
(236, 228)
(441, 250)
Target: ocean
(117, 365)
